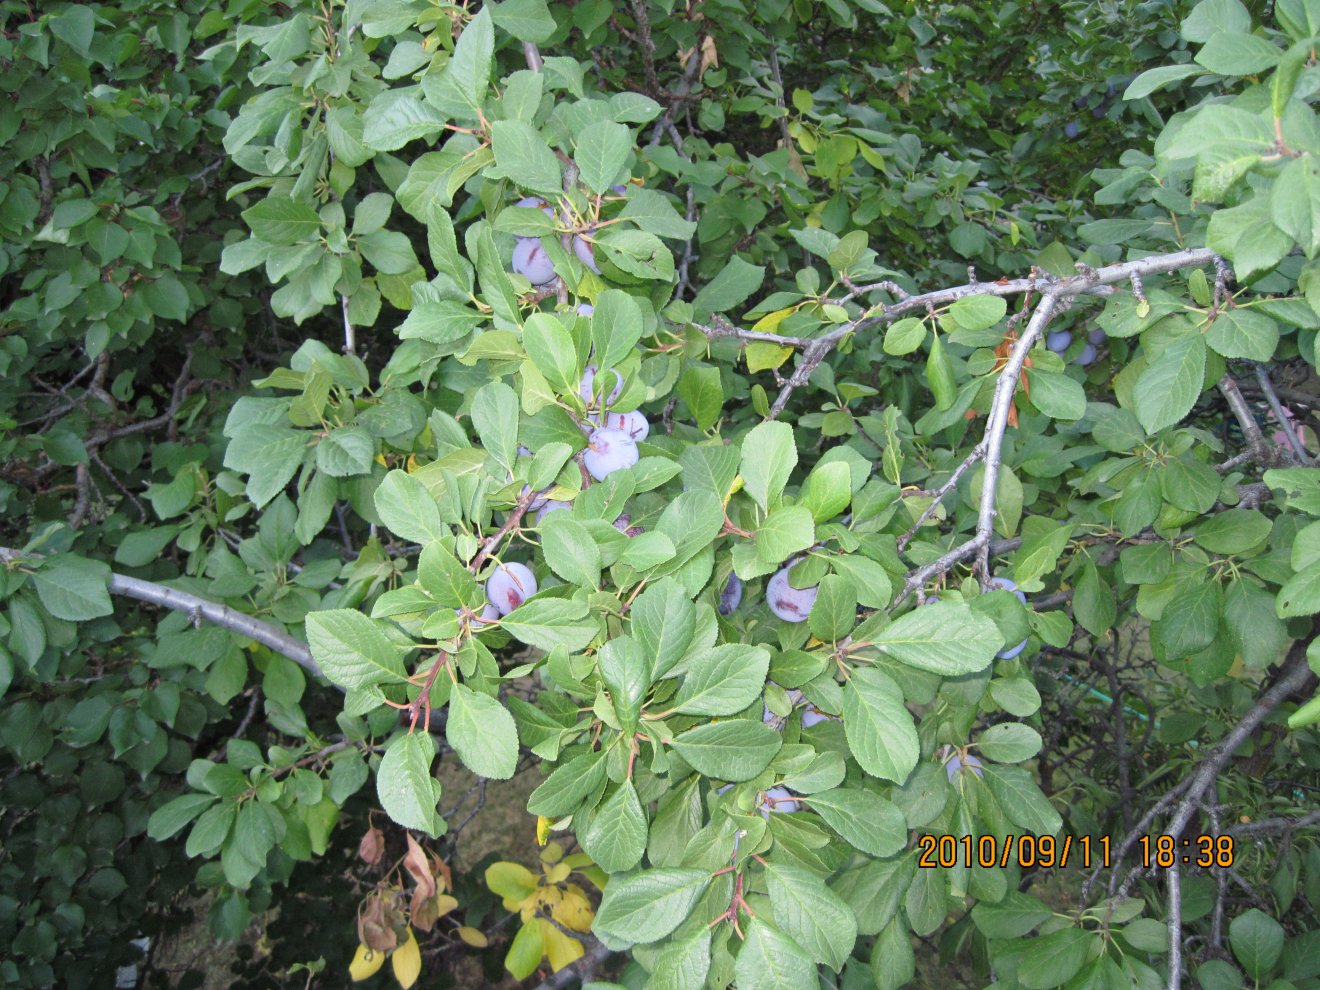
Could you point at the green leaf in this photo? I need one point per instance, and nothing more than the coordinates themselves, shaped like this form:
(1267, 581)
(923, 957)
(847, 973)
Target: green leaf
(862, 818)
(1057, 395)
(828, 490)
(526, 20)
(663, 622)
(939, 375)
(945, 638)
(1233, 531)
(346, 451)
(770, 960)
(880, 730)
(280, 220)
(616, 837)
(1171, 383)
(1159, 77)
(1011, 918)
(811, 914)
(550, 622)
(733, 750)
(1233, 53)
(870, 580)
(769, 455)
(978, 312)
(564, 790)
(648, 905)
(723, 680)
(1257, 941)
(1021, 799)
(483, 733)
(682, 964)
(1054, 959)
(407, 508)
(269, 455)
(701, 392)
(1295, 206)
(1243, 333)
(637, 253)
(1190, 485)
(624, 670)
(601, 152)
(691, 521)
(550, 346)
(905, 336)
(1248, 237)
(570, 551)
(834, 613)
(1009, 742)
(1300, 594)
(169, 819)
(522, 155)
(351, 650)
(75, 25)
(404, 785)
(461, 90)
(495, 416)
(440, 322)
(787, 530)
(73, 588)
(734, 284)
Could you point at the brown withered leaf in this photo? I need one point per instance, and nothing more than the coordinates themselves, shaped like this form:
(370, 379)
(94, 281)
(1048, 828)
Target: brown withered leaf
(372, 846)
(419, 868)
(374, 929)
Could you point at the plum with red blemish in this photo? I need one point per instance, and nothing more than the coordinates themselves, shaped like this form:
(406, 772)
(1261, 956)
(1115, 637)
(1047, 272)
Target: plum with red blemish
(789, 603)
(509, 586)
(551, 505)
(531, 261)
(609, 451)
(585, 253)
(632, 423)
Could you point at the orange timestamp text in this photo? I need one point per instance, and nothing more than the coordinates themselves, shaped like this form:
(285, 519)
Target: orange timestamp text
(1046, 852)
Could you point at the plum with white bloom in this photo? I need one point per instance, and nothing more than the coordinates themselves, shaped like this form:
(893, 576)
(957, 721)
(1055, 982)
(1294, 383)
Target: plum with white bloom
(789, 603)
(609, 451)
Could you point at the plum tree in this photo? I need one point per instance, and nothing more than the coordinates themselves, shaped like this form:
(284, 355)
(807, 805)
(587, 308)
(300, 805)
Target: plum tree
(789, 603)
(731, 596)
(531, 261)
(509, 586)
(609, 451)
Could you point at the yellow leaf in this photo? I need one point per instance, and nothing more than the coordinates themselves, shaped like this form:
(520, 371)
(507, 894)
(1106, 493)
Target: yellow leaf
(574, 911)
(473, 937)
(762, 356)
(412, 463)
(380, 459)
(559, 948)
(558, 872)
(444, 903)
(366, 962)
(407, 960)
(542, 829)
(768, 322)
(552, 853)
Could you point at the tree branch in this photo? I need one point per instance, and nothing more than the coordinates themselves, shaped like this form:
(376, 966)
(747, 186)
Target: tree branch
(201, 609)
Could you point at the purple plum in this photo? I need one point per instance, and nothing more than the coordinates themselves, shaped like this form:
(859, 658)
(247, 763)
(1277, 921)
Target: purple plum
(731, 596)
(509, 586)
(789, 603)
(531, 261)
(609, 451)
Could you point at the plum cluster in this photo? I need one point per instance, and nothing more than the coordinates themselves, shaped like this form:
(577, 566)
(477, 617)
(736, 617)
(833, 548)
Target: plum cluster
(1060, 340)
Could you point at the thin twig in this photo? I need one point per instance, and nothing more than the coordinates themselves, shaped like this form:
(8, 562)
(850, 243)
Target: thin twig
(1281, 416)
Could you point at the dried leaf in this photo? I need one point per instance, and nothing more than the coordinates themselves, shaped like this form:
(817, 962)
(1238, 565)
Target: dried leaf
(372, 846)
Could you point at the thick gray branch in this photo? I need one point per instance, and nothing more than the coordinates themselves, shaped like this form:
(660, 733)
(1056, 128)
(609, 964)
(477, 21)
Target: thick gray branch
(200, 609)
